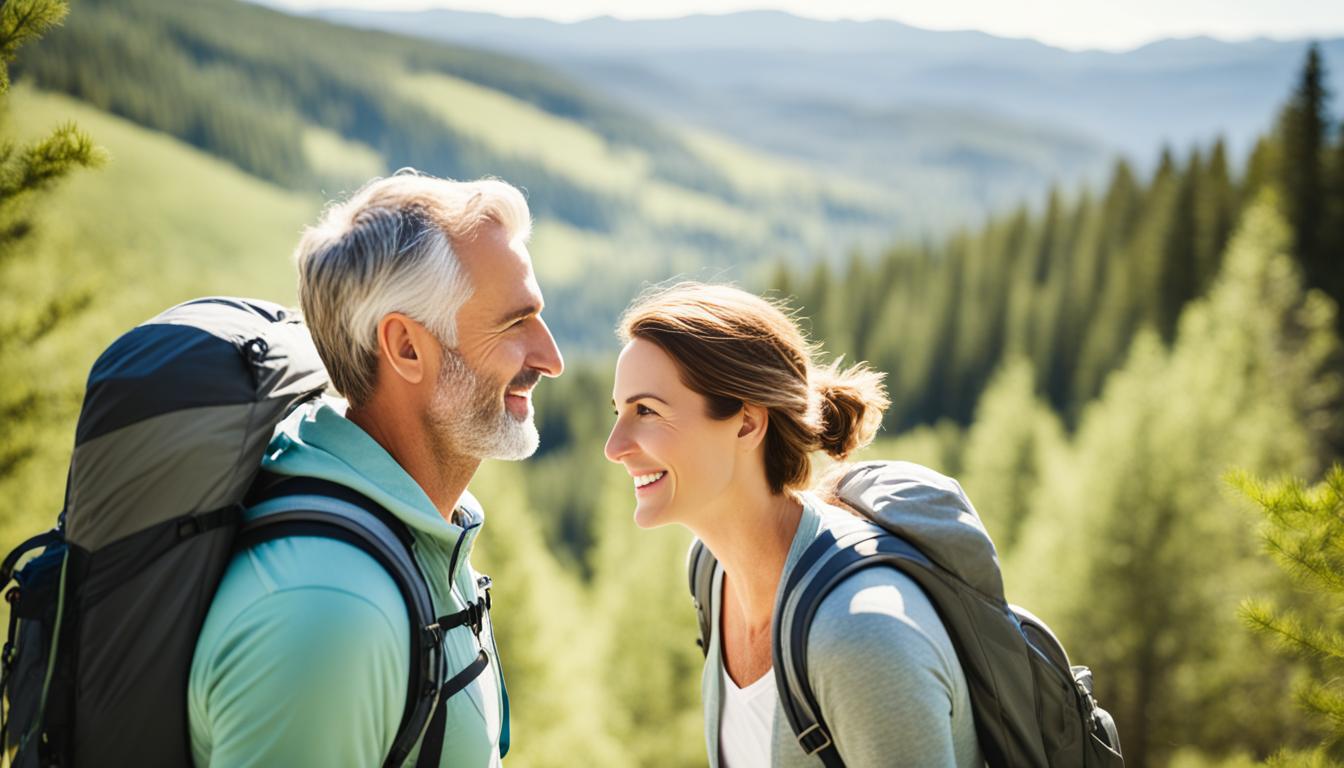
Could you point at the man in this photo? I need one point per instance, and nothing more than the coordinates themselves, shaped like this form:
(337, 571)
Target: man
(421, 300)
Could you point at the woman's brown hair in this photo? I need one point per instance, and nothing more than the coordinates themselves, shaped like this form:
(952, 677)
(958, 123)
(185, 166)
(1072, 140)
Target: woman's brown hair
(733, 347)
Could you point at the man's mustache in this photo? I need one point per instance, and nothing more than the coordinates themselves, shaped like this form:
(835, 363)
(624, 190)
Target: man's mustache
(527, 379)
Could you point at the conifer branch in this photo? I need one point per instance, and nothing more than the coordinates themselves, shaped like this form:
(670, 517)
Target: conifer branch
(22, 21)
(46, 160)
(1299, 558)
(1291, 633)
(1324, 700)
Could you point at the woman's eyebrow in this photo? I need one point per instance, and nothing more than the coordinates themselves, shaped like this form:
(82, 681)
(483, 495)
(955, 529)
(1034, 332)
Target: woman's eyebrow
(642, 396)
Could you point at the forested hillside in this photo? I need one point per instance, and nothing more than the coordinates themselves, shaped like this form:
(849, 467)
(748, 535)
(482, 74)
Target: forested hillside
(320, 108)
(1069, 289)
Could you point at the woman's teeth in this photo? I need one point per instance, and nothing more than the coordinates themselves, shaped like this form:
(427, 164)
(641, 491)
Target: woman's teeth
(643, 480)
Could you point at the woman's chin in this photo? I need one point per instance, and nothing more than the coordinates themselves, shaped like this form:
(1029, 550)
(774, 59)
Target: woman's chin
(650, 516)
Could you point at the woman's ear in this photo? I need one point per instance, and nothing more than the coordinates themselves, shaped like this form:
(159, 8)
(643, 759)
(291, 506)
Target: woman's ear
(755, 420)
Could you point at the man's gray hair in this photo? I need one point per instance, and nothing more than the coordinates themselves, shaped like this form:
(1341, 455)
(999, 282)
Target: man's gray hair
(389, 248)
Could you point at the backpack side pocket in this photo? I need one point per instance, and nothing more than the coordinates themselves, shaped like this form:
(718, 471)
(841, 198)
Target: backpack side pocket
(34, 605)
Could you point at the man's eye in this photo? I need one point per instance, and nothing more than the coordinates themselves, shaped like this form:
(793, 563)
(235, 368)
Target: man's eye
(644, 410)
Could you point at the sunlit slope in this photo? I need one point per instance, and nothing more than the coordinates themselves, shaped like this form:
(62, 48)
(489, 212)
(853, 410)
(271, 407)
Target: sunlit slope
(770, 207)
(161, 222)
(318, 109)
(761, 210)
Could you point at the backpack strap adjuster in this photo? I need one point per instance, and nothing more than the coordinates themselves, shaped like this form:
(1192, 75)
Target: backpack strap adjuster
(814, 739)
(472, 616)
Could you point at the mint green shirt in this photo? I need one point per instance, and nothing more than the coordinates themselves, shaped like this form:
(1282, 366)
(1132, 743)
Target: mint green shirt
(305, 653)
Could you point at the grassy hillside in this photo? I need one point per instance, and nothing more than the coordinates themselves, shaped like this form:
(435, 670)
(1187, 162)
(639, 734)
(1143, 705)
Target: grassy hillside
(161, 223)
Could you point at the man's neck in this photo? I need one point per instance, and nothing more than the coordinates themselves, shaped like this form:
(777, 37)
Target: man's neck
(441, 476)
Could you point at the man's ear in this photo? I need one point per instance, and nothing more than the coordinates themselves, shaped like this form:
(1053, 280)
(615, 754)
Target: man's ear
(755, 419)
(402, 345)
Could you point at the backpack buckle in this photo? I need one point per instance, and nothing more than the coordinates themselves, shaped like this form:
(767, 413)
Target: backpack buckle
(817, 736)
(476, 612)
(472, 616)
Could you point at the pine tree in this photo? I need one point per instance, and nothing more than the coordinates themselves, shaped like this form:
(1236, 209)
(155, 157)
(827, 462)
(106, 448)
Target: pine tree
(1215, 209)
(1304, 533)
(25, 172)
(1332, 235)
(1262, 168)
(1099, 335)
(1304, 126)
(1007, 448)
(1178, 278)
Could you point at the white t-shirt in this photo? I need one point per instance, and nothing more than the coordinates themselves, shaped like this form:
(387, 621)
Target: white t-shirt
(746, 727)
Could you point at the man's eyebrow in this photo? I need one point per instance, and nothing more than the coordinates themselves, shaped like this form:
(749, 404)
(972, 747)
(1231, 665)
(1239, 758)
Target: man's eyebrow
(520, 313)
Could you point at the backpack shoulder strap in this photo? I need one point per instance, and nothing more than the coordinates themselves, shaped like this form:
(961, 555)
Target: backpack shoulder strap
(824, 564)
(700, 564)
(304, 506)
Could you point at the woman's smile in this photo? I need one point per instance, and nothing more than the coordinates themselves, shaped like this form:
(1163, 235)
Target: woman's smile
(648, 483)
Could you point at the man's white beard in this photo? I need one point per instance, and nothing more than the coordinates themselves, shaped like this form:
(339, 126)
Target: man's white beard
(468, 416)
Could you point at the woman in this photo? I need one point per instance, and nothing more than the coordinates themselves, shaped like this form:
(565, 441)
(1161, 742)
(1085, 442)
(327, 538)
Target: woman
(719, 407)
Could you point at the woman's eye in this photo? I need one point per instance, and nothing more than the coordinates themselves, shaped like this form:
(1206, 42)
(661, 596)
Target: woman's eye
(644, 410)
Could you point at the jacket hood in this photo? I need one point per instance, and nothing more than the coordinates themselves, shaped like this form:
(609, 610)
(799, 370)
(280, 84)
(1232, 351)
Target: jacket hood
(930, 511)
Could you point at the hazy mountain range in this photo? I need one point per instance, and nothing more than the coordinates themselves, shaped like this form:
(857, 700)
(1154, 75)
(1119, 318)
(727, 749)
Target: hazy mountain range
(802, 86)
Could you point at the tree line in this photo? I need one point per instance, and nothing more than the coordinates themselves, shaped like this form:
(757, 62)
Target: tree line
(1069, 287)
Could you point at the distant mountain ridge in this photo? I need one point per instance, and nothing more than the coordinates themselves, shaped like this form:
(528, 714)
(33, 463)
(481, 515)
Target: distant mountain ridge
(741, 31)
(1178, 91)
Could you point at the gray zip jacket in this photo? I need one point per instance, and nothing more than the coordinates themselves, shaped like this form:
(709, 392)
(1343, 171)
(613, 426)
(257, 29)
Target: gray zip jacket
(882, 666)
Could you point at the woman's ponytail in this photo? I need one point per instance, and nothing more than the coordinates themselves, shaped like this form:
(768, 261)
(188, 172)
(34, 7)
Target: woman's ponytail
(851, 403)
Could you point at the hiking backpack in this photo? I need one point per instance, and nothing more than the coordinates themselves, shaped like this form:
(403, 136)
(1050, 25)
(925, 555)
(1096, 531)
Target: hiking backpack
(1031, 707)
(106, 609)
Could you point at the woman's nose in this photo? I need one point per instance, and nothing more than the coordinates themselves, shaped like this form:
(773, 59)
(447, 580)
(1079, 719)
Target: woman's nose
(618, 444)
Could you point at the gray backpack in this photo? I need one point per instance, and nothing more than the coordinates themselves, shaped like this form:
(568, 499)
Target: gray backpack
(106, 608)
(1031, 706)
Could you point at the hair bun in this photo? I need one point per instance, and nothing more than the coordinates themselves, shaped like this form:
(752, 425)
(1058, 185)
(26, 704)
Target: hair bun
(851, 403)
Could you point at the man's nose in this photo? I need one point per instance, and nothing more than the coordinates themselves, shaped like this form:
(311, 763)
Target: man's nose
(545, 356)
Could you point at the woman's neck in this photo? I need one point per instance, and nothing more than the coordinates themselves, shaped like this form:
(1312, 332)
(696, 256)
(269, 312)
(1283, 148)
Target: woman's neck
(751, 539)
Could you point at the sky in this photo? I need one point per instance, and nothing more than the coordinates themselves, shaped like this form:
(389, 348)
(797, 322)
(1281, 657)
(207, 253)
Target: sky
(1074, 24)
